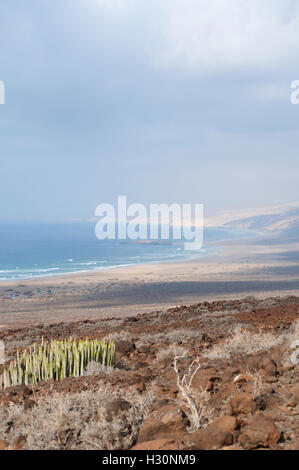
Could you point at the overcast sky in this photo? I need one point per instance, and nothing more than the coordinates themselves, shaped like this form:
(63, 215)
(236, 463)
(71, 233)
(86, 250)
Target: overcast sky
(160, 100)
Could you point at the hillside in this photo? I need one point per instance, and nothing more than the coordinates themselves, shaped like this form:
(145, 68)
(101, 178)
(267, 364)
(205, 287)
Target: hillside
(240, 389)
(280, 220)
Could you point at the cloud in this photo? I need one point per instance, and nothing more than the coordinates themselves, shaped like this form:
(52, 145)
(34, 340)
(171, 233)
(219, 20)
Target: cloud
(204, 35)
(199, 35)
(165, 100)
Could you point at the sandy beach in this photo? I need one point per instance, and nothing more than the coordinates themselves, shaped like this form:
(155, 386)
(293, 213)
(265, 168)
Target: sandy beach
(259, 267)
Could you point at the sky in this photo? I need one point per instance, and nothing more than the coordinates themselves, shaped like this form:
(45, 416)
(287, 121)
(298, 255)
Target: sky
(162, 101)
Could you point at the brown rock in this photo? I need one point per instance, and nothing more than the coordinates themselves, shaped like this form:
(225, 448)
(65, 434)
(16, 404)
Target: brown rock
(293, 395)
(19, 443)
(25, 391)
(210, 438)
(242, 403)
(3, 445)
(28, 404)
(167, 421)
(114, 409)
(293, 446)
(141, 365)
(259, 432)
(205, 379)
(242, 378)
(161, 444)
(124, 347)
(158, 404)
(271, 401)
(225, 423)
(269, 366)
(4, 401)
(170, 377)
(271, 380)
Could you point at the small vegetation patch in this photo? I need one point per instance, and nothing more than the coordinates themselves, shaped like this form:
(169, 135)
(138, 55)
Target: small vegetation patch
(56, 360)
(243, 341)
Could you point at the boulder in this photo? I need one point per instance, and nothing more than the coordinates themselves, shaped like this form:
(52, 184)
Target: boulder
(264, 364)
(242, 404)
(167, 421)
(3, 444)
(260, 431)
(124, 347)
(210, 438)
(205, 379)
(225, 423)
(293, 446)
(268, 366)
(19, 443)
(293, 396)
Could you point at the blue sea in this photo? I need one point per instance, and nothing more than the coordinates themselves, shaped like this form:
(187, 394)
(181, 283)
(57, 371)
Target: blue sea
(49, 249)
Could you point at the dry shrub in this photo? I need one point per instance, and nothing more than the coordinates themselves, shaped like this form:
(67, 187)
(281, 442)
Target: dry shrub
(70, 421)
(119, 336)
(290, 351)
(258, 383)
(180, 335)
(96, 368)
(243, 341)
(197, 403)
(293, 334)
(166, 356)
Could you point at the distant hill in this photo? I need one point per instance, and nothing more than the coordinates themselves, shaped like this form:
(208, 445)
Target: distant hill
(285, 222)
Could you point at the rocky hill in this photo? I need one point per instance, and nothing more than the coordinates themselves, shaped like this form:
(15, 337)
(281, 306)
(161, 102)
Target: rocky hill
(219, 375)
(283, 221)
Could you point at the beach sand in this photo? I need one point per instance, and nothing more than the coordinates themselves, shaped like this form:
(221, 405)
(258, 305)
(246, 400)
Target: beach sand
(260, 267)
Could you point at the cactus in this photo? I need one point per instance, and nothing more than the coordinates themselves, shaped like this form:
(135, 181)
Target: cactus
(56, 360)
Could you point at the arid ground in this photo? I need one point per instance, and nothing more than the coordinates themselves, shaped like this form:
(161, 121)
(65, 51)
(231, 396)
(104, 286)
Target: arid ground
(240, 389)
(205, 354)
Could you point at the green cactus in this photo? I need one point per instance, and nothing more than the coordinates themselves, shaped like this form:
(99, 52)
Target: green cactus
(56, 360)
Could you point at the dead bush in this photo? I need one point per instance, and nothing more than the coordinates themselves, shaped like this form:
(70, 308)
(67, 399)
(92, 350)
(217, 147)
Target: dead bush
(70, 421)
(243, 341)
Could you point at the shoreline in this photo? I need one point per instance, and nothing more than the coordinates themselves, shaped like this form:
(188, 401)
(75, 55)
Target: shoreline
(210, 248)
(216, 246)
(99, 270)
(258, 268)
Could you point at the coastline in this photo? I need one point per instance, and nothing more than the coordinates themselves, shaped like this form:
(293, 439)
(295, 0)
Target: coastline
(31, 261)
(257, 267)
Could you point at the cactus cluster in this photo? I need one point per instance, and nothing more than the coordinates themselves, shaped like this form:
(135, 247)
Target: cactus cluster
(56, 360)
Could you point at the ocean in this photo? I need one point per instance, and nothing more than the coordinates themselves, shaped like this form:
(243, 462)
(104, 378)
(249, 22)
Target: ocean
(37, 250)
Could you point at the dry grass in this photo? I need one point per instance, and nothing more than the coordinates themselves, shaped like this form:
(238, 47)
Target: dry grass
(119, 336)
(294, 332)
(96, 368)
(243, 341)
(179, 335)
(290, 352)
(166, 356)
(70, 421)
